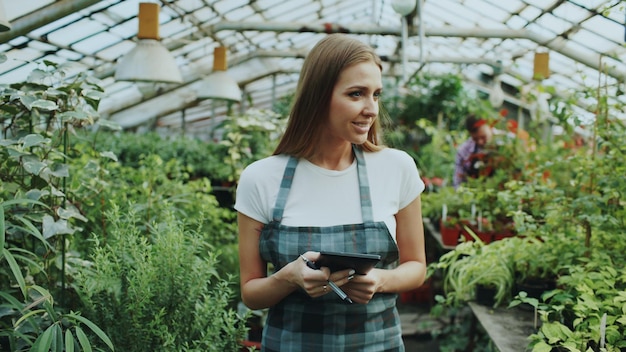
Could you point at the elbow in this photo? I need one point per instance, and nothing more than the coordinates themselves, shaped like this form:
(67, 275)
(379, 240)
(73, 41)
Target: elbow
(250, 301)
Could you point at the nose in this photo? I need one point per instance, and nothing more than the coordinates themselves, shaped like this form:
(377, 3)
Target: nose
(371, 107)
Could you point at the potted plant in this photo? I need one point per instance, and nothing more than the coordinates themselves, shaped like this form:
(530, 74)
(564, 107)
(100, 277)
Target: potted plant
(473, 265)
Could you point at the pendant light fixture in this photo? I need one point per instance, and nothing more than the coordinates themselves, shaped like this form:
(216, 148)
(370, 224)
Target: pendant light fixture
(149, 60)
(496, 96)
(219, 84)
(404, 8)
(5, 25)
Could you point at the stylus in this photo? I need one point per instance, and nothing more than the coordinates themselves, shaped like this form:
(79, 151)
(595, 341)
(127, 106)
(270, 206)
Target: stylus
(332, 285)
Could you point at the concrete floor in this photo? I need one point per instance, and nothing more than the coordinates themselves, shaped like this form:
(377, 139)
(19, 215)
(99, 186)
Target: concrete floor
(416, 327)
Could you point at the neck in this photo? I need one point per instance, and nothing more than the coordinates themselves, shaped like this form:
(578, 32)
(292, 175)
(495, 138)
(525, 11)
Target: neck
(334, 159)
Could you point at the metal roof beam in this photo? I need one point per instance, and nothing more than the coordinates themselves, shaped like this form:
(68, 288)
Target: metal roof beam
(28, 23)
(592, 60)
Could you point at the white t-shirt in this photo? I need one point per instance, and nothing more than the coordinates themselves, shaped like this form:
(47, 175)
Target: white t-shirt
(322, 197)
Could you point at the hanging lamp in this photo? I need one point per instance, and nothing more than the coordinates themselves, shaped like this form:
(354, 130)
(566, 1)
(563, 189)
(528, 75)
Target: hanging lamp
(5, 25)
(219, 84)
(404, 8)
(496, 96)
(149, 60)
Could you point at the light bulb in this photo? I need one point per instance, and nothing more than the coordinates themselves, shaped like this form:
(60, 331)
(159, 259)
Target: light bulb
(496, 97)
(403, 7)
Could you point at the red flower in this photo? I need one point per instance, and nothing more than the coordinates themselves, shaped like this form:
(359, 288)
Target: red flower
(511, 125)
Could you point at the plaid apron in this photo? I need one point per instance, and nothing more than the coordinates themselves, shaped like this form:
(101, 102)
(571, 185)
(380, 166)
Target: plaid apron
(301, 323)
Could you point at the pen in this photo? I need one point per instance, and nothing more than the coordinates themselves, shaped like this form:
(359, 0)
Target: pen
(344, 297)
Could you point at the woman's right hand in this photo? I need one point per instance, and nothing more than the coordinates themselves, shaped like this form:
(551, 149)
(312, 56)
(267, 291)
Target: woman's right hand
(313, 281)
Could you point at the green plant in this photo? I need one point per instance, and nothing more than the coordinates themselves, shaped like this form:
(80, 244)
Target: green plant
(60, 331)
(472, 264)
(587, 311)
(159, 290)
(250, 137)
(38, 217)
(459, 331)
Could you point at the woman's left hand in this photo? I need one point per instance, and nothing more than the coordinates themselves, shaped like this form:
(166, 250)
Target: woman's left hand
(361, 288)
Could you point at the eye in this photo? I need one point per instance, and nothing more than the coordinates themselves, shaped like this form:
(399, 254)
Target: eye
(357, 93)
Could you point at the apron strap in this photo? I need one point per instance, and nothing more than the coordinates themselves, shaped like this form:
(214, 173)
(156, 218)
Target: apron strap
(364, 189)
(283, 192)
(364, 186)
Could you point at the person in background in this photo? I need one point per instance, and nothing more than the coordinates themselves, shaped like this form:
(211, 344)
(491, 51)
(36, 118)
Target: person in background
(331, 186)
(468, 155)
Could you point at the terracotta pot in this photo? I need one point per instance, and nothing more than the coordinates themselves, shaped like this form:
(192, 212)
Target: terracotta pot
(449, 234)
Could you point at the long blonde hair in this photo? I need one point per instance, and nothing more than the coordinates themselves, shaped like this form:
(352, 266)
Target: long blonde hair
(319, 74)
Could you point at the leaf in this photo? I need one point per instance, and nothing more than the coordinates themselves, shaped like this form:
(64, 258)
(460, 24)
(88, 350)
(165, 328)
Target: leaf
(34, 167)
(70, 212)
(57, 339)
(23, 200)
(43, 343)
(44, 105)
(7, 142)
(28, 315)
(60, 170)
(109, 155)
(33, 140)
(112, 125)
(17, 273)
(541, 346)
(2, 233)
(95, 329)
(31, 229)
(83, 340)
(69, 341)
(69, 116)
(52, 228)
(554, 332)
(27, 100)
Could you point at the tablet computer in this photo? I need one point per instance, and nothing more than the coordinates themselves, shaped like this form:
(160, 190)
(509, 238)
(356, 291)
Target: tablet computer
(335, 261)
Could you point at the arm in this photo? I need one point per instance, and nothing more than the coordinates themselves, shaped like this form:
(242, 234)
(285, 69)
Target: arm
(411, 272)
(261, 291)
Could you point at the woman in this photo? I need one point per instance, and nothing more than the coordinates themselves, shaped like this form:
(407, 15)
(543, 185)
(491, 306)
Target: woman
(330, 186)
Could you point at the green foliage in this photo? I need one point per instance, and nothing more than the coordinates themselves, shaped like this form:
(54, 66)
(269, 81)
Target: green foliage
(38, 212)
(159, 290)
(472, 264)
(40, 326)
(56, 185)
(459, 331)
(250, 137)
(197, 158)
(439, 98)
(587, 310)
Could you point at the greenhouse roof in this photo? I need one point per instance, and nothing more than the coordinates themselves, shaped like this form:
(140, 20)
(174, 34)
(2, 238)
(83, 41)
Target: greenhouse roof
(266, 41)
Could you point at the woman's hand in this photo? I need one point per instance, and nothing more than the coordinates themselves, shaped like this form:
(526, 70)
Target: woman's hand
(315, 281)
(361, 288)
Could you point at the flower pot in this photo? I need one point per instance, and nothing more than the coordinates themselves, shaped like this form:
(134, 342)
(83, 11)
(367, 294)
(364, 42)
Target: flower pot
(535, 287)
(250, 345)
(485, 295)
(485, 236)
(422, 294)
(502, 235)
(449, 234)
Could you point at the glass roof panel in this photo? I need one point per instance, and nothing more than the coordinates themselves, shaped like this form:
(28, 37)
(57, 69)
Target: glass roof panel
(267, 39)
